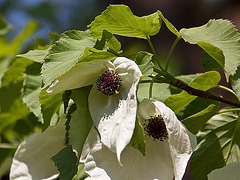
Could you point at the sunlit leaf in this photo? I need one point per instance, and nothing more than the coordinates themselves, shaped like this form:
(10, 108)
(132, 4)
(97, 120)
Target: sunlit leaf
(204, 82)
(223, 36)
(35, 55)
(15, 72)
(235, 81)
(195, 122)
(219, 143)
(169, 25)
(118, 19)
(138, 138)
(81, 121)
(65, 53)
(211, 63)
(50, 104)
(110, 40)
(31, 89)
(143, 60)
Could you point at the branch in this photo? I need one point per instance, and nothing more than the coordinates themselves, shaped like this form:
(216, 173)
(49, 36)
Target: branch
(203, 94)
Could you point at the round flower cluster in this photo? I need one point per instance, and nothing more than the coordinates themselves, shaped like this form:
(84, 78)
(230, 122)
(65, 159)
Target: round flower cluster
(109, 83)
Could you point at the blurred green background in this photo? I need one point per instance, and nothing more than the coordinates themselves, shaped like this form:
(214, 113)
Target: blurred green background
(25, 25)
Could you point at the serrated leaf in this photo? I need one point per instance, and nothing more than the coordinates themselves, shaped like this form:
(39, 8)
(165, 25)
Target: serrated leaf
(209, 63)
(222, 35)
(219, 144)
(65, 53)
(15, 72)
(65, 98)
(195, 122)
(66, 162)
(35, 55)
(235, 81)
(31, 89)
(138, 138)
(50, 104)
(143, 60)
(81, 121)
(118, 19)
(204, 82)
(71, 110)
(169, 25)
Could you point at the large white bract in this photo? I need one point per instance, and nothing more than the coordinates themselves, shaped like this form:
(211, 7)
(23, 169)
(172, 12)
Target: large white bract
(32, 160)
(114, 115)
(164, 159)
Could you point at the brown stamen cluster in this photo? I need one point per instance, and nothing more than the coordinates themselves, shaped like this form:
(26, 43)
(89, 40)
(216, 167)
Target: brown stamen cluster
(156, 128)
(109, 83)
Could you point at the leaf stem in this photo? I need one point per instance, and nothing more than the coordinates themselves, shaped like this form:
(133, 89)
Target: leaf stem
(203, 94)
(171, 51)
(229, 110)
(229, 90)
(155, 57)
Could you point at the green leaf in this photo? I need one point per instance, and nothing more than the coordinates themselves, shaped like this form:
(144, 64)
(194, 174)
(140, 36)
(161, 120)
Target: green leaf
(209, 63)
(169, 25)
(143, 60)
(14, 46)
(195, 122)
(35, 55)
(32, 88)
(71, 110)
(81, 121)
(91, 54)
(5, 62)
(16, 112)
(223, 36)
(118, 19)
(15, 72)
(112, 42)
(50, 105)
(204, 82)
(65, 53)
(235, 81)
(161, 91)
(4, 27)
(66, 162)
(219, 143)
(138, 138)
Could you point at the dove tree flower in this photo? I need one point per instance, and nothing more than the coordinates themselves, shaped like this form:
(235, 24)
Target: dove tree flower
(112, 99)
(169, 146)
(32, 159)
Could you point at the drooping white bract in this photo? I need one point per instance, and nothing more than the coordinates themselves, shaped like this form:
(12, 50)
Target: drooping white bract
(163, 160)
(113, 115)
(32, 160)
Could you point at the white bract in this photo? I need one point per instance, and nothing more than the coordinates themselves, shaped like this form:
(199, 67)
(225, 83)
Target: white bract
(32, 160)
(164, 159)
(113, 115)
(230, 171)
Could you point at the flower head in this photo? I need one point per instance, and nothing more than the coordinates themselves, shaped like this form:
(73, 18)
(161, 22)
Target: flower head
(112, 99)
(167, 153)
